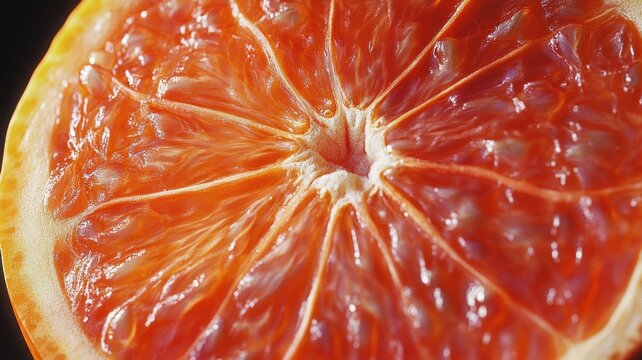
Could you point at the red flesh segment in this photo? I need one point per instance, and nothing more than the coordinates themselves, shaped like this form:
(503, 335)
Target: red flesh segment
(198, 53)
(145, 277)
(451, 310)
(107, 145)
(266, 305)
(566, 261)
(373, 42)
(297, 32)
(483, 36)
(550, 124)
(357, 313)
(563, 116)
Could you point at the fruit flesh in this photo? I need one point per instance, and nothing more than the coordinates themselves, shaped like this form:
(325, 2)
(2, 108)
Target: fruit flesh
(151, 135)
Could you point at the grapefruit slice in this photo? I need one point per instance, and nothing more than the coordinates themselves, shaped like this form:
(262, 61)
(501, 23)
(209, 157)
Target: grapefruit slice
(330, 179)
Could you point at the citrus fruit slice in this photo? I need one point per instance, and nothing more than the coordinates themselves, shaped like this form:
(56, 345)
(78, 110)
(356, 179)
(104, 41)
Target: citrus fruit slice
(331, 179)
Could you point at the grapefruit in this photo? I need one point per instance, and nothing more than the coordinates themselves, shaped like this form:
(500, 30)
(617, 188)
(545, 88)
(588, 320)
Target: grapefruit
(330, 179)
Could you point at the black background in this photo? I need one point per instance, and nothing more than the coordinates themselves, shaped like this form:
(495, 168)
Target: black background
(26, 30)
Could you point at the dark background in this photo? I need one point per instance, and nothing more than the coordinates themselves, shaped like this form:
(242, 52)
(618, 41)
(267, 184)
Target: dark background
(26, 30)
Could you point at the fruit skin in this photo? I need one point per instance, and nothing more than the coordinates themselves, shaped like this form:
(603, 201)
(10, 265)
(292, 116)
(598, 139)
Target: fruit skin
(51, 333)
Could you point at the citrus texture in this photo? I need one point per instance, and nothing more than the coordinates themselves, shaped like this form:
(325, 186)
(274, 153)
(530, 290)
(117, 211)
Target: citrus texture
(331, 179)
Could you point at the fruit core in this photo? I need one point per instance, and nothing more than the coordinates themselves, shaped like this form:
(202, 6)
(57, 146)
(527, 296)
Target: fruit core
(342, 142)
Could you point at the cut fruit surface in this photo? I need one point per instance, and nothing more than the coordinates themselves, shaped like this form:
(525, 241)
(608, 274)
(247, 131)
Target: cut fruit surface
(330, 179)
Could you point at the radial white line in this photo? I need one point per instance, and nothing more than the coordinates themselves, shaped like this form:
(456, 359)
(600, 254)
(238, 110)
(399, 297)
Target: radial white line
(479, 72)
(311, 300)
(268, 50)
(264, 243)
(182, 190)
(390, 264)
(421, 54)
(202, 111)
(513, 184)
(330, 63)
(459, 83)
(429, 229)
(387, 255)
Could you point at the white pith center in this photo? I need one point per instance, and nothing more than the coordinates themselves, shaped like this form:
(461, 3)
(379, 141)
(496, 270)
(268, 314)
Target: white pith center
(342, 142)
(345, 154)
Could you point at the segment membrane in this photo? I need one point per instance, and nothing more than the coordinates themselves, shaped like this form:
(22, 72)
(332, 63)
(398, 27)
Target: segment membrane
(107, 144)
(196, 52)
(373, 42)
(358, 313)
(451, 312)
(145, 277)
(264, 307)
(566, 261)
(296, 30)
(561, 116)
(491, 31)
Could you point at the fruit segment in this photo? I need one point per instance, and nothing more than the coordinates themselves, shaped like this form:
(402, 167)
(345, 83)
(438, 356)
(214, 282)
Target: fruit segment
(297, 32)
(203, 53)
(146, 276)
(375, 42)
(487, 35)
(262, 310)
(562, 116)
(110, 142)
(566, 259)
(357, 312)
(453, 312)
